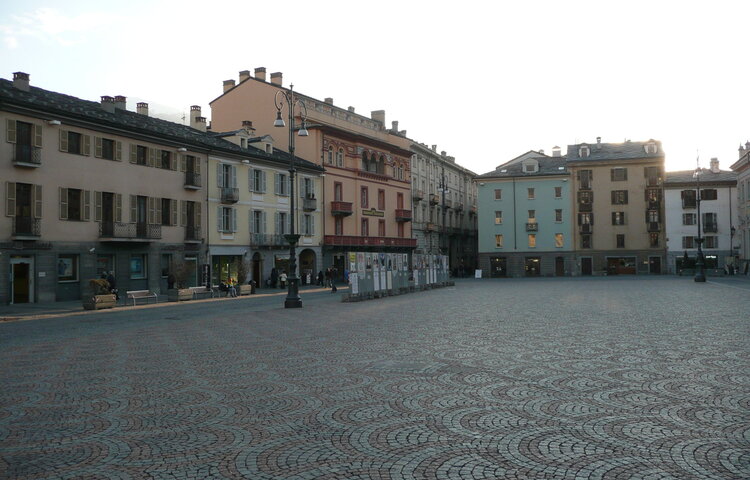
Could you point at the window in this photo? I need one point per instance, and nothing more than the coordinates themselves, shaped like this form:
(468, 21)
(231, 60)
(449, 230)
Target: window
(363, 197)
(365, 227)
(75, 204)
(531, 193)
(653, 239)
(532, 240)
(585, 218)
(258, 181)
(167, 210)
(166, 159)
(399, 200)
(74, 142)
(258, 221)
(585, 177)
(227, 220)
(585, 197)
(688, 242)
(329, 157)
(138, 266)
(710, 222)
(586, 241)
(618, 218)
(381, 228)
(619, 197)
(558, 215)
(499, 240)
(708, 194)
(340, 158)
(532, 216)
(282, 223)
(558, 192)
(401, 229)
(67, 268)
(559, 242)
(165, 264)
(583, 151)
(498, 194)
(339, 226)
(308, 225)
(107, 148)
(282, 184)
(653, 176)
(498, 217)
(620, 240)
(688, 198)
(338, 189)
(689, 218)
(618, 174)
(710, 241)
(381, 200)
(652, 216)
(141, 155)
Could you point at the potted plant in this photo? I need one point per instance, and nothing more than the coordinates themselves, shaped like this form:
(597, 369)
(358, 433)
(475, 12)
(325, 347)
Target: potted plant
(242, 272)
(99, 296)
(181, 272)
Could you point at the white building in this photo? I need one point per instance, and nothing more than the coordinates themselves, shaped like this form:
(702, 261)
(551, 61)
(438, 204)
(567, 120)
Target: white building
(718, 216)
(742, 234)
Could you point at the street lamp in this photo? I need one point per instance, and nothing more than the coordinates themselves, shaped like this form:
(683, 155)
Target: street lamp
(700, 275)
(293, 299)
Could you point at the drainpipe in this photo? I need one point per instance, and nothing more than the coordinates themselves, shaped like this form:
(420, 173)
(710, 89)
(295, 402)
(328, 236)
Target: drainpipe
(515, 225)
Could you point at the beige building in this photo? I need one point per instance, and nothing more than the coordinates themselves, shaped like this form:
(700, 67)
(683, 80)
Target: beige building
(366, 194)
(617, 193)
(741, 235)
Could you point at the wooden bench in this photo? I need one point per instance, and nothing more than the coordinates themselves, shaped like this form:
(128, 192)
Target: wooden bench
(136, 295)
(202, 291)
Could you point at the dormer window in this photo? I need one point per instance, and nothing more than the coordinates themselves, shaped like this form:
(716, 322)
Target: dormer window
(651, 147)
(243, 143)
(583, 151)
(269, 148)
(530, 166)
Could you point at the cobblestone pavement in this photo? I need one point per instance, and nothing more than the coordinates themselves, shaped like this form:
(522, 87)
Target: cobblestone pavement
(645, 378)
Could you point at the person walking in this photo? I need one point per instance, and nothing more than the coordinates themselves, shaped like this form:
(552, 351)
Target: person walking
(274, 277)
(113, 285)
(282, 279)
(320, 278)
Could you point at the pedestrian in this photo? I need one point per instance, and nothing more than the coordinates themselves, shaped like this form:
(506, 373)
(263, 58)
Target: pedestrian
(328, 277)
(282, 279)
(112, 285)
(320, 278)
(274, 277)
(170, 281)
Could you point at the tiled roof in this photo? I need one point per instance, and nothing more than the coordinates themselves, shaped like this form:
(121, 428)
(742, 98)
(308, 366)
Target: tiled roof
(53, 103)
(514, 168)
(706, 177)
(614, 151)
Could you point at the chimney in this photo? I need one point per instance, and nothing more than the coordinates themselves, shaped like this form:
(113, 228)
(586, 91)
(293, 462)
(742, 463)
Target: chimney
(108, 104)
(142, 108)
(541, 150)
(21, 81)
(598, 143)
(394, 126)
(120, 102)
(714, 165)
(195, 114)
(200, 124)
(402, 133)
(328, 100)
(228, 85)
(248, 125)
(434, 148)
(260, 74)
(442, 153)
(555, 151)
(244, 75)
(351, 109)
(378, 116)
(276, 78)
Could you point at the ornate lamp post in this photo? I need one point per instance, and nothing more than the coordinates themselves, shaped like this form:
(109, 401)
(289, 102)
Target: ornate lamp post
(293, 299)
(700, 275)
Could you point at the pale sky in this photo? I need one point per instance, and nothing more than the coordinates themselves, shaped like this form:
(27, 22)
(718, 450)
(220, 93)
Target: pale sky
(483, 80)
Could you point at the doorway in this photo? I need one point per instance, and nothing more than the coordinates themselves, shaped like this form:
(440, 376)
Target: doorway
(307, 271)
(532, 266)
(257, 267)
(22, 280)
(654, 265)
(559, 266)
(587, 266)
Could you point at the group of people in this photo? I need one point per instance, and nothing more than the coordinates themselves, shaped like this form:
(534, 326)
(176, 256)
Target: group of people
(110, 278)
(277, 279)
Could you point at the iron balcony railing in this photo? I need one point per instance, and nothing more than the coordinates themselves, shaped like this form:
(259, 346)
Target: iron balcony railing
(129, 231)
(403, 215)
(346, 240)
(230, 195)
(309, 204)
(192, 233)
(268, 240)
(193, 180)
(27, 227)
(434, 199)
(417, 195)
(27, 155)
(341, 208)
(654, 227)
(532, 227)
(710, 228)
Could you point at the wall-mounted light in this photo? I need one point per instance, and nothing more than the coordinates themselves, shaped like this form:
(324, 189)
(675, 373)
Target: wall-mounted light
(182, 149)
(54, 122)
(246, 162)
(92, 250)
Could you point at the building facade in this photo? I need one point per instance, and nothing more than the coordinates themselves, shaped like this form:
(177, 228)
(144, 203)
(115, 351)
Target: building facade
(524, 218)
(366, 192)
(718, 216)
(741, 238)
(617, 194)
(444, 208)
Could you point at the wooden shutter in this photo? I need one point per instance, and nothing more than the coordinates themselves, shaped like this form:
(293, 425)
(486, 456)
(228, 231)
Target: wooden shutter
(172, 162)
(118, 207)
(86, 144)
(276, 223)
(277, 183)
(10, 129)
(151, 157)
(250, 180)
(312, 224)
(63, 140)
(263, 181)
(197, 165)
(133, 209)
(233, 176)
(37, 135)
(219, 218)
(183, 213)
(219, 176)
(10, 199)
(118, 151)
(98, 147)
(196, 211)
(37, 201)
(173, 212)
(183, 163)
(63, 203)
(613, 194)
(133, 153)
(303, 190)
(250, 216)
(625, 197)
(97, 206)
(263, 217)
(86, 207)
(159, 213)
(233, 215)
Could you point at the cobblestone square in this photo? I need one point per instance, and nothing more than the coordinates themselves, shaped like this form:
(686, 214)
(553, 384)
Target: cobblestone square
(633, 378)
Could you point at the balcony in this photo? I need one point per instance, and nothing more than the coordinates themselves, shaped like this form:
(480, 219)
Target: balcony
(352, 241)
(27, 156)
(403, 215)
(26, 228)
(193, 234)
(434, 199)
(430, 227)
(585, 185)
(688, 202)
(341, 209)
(417, 195)
(192, 181)
(129, 232)
(533, 227)
(459, 207)
(585, 228)
(230, 195)
(584, 207)
(448, 203)
(309, 204)
(710, 228)
(268, 240)
(654, 227)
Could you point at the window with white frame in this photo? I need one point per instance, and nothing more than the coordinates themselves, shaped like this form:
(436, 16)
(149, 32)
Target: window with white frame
(498, 217)
(499, 240)
(689, 218)
(282, 184)
(227, 220)
(257, 180)
(308, 225)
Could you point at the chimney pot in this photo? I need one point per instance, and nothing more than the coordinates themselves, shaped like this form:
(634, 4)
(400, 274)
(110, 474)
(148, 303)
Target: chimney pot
(244, 75)
(21, 81)
(715, 165)
(442, 153)
(195, 114)
(277, 78)
(394, 126)
(142, 108)
(120, 102)
(351, 109)
(378, 116)
(199, 124)
(228, 85)
(434, 148)
(108, 104)
(328, 100)
(260, 74)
